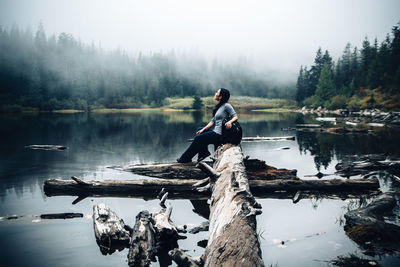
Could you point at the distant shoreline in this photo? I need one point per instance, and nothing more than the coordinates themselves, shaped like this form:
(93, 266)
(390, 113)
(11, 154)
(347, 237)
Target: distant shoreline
(241, 103)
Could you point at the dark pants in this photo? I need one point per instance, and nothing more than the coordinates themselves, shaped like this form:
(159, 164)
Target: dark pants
(199, 145)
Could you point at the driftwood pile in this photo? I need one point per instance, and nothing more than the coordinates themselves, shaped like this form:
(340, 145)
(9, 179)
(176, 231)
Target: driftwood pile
(232, 224)
(231, 182)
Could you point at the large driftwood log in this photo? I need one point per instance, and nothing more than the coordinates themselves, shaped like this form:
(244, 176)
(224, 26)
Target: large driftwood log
(368, 227)
(186, 189)
(256, 169)
(110, 231)
(232, 232)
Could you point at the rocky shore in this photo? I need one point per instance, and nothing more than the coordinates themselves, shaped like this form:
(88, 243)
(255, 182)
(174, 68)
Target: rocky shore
(375, 116)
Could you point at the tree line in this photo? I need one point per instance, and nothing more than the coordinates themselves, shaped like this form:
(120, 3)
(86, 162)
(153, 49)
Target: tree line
(61, 72)
(361, 78)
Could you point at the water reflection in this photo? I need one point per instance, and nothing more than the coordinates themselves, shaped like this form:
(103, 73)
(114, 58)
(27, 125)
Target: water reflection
(96, 141)
(325, 147)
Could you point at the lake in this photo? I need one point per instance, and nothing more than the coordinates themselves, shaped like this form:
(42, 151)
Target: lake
(312, 229)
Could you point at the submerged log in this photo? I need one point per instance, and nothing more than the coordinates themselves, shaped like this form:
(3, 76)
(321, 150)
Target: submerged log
(368, 227)
(47, 147)
(65, 215)
(256, 169)
(110, 231)
(232, 232)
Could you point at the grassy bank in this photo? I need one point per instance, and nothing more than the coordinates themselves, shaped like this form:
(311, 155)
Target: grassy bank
(173, 104)
(240, 102)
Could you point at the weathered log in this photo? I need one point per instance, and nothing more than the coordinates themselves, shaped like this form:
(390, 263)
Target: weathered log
(330, 119)
(263, 138)
(347, 169)
(232, 231)
(367, 226)
(149, 188)
(259, 139)
(110, 231)
(47, 147)
(143, 243)
(256, 169)
(65, 215)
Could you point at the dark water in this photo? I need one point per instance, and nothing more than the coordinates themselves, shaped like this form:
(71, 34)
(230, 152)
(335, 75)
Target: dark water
(312, 229)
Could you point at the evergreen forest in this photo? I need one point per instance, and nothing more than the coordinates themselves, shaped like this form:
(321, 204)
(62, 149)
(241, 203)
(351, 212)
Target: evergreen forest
(363, 78)
(60, 72)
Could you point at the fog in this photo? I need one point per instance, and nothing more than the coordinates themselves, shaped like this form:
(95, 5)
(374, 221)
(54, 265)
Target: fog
(278, 35)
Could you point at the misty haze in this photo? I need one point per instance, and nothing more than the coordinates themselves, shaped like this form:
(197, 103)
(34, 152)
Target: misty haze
(303, 171)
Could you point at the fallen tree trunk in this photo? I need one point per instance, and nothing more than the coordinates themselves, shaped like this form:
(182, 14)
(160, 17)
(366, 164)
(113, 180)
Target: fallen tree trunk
(187, 189)
(256, 169)
(232, 232)
(57, 187)
(368, 227)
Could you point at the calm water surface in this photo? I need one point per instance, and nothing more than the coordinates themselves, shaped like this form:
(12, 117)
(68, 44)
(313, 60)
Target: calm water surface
(312, 229)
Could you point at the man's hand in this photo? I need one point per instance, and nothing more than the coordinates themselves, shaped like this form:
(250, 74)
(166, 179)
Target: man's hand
(200, 131)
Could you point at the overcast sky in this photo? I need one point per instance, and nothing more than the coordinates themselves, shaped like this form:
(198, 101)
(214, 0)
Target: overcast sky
(280, 33)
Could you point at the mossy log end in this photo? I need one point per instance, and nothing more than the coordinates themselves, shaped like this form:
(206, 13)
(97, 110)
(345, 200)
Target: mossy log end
(232, 231)
(367, 226)
(256, 170)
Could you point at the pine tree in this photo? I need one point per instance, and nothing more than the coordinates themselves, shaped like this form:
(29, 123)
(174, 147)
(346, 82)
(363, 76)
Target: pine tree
(346, 64)
(325, 87)
(301, 86)
(197, 102)
(315, 72)
(366, 58)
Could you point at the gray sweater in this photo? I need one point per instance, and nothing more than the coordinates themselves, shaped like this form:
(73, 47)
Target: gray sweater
(224, 111)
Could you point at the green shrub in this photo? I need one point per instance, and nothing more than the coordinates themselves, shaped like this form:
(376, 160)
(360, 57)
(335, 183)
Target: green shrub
(354, 103)
(337, 102)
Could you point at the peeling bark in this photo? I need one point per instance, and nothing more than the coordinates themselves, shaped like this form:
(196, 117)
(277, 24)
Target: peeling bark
(232, 230)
